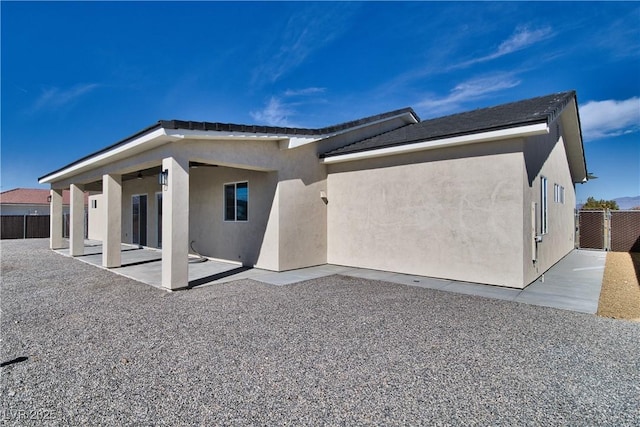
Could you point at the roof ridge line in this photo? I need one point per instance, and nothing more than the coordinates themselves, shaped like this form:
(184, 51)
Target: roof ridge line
(369, 137)
(541, 109)
(254, 128)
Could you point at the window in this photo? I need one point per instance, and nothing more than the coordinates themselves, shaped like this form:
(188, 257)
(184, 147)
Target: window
(558, 193)
(543, 205)
(236, 201)
(94, 204)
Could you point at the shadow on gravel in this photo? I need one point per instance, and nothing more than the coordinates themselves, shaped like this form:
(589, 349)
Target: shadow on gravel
(16, 360)
(203, 280)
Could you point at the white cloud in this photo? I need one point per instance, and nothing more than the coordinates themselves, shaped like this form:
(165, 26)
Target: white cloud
(601, 119)
(522, 38)
(275, 113)
(465, 92)
(279, 110)
(308, 30)
(55, 97)
(305, 91)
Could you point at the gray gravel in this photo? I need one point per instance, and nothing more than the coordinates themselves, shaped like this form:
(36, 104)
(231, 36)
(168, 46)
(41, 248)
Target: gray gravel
(106, 350)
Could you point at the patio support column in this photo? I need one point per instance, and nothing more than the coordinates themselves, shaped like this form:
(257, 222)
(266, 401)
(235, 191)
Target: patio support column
(175, 224)
(76, 230)
(112, 233)
(55, 220)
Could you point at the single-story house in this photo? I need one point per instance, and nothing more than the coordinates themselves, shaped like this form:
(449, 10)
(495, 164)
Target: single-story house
(484, 196)
(29, 201)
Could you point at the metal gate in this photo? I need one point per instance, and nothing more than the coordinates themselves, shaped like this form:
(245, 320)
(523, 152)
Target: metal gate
(609, 230)
(592, 229)
(625, 231)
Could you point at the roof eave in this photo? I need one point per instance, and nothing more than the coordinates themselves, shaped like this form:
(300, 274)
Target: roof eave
(149, 138)
(172, 130)
(522, 131)
(574, 144)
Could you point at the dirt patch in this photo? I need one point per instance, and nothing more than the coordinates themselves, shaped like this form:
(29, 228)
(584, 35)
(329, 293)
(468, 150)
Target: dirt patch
(620, 295)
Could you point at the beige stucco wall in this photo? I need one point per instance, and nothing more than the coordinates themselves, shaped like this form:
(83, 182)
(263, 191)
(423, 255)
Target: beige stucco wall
(147, 186)
(546, 156)
(287, 225)
(452, 213)
(287, 218)
(240, 241)
(302, 213)
(95, 218)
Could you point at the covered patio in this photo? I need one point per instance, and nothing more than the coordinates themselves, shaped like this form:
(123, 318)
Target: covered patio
(145, 264)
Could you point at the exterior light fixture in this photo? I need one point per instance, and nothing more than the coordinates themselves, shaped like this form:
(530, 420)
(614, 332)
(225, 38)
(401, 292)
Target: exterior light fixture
(163, 177)
(49, 199)
(139, 175)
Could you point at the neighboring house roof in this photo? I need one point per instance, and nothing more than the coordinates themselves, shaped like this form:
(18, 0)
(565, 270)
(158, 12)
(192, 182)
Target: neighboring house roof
(31, 196)
(542, 109)
(158, 133)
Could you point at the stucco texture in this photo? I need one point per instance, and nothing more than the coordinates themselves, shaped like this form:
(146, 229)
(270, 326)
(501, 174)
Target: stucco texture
(447, 215)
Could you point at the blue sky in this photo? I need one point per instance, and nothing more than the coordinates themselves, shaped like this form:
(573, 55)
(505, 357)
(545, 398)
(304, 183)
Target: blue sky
(77, 77)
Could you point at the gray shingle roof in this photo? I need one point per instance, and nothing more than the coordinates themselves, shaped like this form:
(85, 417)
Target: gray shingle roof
(530, 111)
(232, 127)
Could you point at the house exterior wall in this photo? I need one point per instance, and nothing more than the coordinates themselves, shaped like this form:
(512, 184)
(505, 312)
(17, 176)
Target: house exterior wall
(147, 186)
(96, 217)
(546, 156)
(452, 213)
(287, 218)
(460, 213)
(240, 241)
(302, 213)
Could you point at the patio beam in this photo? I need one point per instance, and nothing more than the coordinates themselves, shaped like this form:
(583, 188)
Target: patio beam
(112, 232)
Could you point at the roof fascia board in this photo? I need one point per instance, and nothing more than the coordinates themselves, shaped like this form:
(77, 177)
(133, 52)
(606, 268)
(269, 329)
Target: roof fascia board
(149, 140)
(223, 135)
(216, 134)
(574, 145)
(517, 132)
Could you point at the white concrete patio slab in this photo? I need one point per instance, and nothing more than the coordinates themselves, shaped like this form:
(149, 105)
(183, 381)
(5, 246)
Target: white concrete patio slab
(574, 283)
(145, 264)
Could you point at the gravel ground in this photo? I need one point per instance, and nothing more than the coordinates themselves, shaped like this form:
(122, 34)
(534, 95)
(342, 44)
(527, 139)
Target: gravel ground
(106, 350)
(620, 295)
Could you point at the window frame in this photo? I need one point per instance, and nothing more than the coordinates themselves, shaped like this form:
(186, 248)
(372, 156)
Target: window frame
(544, 205)
(235, 201)
(558, 193)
